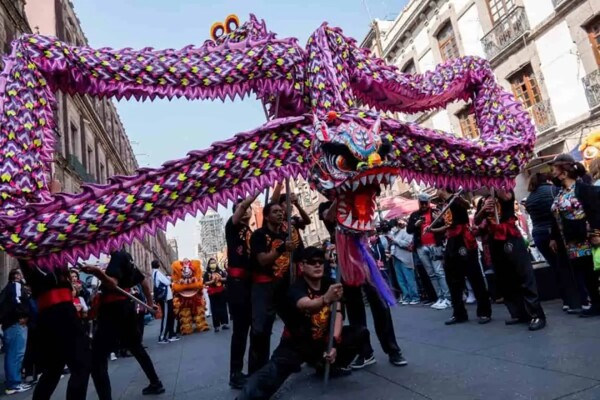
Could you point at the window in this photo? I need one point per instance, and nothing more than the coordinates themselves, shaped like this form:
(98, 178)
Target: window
(101, 175)
(525, 87)
(75, 147)
(90, 160)
(409, 68)
(447, 43)
(468, 123)
(593, 30)
(500, 8)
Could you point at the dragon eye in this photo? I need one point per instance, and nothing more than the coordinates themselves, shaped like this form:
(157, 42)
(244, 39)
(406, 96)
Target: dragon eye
(342, 164)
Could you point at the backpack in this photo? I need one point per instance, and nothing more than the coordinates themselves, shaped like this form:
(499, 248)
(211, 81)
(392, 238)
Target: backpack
(160, 289)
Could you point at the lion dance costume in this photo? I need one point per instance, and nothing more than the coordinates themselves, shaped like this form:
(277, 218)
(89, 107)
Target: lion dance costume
(317, 131)
(188, 301)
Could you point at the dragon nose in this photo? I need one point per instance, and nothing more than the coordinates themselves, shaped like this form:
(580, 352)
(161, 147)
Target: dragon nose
(374, 160)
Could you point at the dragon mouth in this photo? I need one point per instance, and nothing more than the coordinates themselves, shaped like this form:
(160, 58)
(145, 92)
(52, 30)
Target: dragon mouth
(356, 199)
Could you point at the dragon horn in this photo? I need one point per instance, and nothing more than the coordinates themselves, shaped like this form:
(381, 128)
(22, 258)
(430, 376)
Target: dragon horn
(320, 129)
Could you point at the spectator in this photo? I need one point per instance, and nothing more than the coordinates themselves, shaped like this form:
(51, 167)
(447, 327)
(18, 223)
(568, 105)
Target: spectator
(402, 254)
(214, 279)
(14, 312)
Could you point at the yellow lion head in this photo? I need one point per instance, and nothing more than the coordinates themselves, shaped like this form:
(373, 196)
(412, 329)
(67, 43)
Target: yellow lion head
(187, 277)
(590, 148)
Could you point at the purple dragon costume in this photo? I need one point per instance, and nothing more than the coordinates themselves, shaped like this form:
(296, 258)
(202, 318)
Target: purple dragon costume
(318, 132)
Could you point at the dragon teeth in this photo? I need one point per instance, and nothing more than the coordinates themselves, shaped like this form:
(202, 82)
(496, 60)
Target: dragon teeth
(355, 225)
(363, 180)
(379, 178)
(348, 220)
(355, 185)
(371, 178)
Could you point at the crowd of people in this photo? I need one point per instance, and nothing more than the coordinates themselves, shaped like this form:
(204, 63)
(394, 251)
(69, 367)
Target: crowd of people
(442, 255)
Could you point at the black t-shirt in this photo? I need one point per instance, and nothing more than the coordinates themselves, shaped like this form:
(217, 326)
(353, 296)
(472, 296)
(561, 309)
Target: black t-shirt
(238, 244)
(41, 281)
(122, 268)
(505, 208)
(263, 240)
(303, 326)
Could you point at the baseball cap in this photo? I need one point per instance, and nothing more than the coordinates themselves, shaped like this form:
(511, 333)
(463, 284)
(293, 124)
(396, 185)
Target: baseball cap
(563, 159)
(423, 198)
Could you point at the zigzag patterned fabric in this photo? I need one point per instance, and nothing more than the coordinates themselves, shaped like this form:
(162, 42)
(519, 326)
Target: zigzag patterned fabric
(331, 74)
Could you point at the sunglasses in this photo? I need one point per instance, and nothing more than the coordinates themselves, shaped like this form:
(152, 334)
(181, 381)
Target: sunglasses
(314, 262)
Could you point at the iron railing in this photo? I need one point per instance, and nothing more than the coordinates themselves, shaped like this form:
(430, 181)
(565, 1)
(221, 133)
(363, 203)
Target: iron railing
(80, 170)
(505, 32)
(542, 115)
(591, 85)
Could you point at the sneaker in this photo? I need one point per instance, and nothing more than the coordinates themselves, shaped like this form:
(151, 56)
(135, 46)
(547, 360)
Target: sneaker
(360, 362)
(31, 380)
(484, 320)
(414, 302)
(163, 341)
(436, 305)
(154, 388)
(405, 302)
(398, 359)
(225, 327)
(113, 356)
(174, 339)
(217, 329)
(237, 380)
(20, 388)
(565, 307)
(470, 299)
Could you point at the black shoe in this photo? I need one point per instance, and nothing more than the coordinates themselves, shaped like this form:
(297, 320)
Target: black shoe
(361, 362)
(574, 311)
(515, 321)
(398, 359)
(590, 312)
(338, 372)
(536, 324)
(217, 329)
(225, 327)
(237, 380)
(453, 320)
(484, 320)
(154, 388)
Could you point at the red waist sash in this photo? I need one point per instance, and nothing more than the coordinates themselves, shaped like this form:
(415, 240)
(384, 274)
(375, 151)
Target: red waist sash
(111, 297)
(464, 231)
(504, 230)
(239, 273)
(261, 278)
(53, 297)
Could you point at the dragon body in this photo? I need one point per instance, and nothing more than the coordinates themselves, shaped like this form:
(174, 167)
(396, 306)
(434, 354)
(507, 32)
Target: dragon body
(318, 132)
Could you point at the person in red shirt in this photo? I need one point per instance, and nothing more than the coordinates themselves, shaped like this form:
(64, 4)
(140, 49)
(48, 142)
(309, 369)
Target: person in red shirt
(429, 249)
(214, 280)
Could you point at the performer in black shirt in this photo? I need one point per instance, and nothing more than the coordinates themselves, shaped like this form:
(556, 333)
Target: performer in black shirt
(60, 338)
(512, 264)
(270, 252)
(306, 315)
(355, 306)
(117, 323)
(237, 234)
(461, 259)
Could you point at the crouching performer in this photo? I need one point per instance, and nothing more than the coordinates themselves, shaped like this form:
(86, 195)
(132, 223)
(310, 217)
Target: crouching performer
(305, 311)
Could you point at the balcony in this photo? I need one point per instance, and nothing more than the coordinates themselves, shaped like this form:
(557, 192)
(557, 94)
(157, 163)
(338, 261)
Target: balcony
(542, 116)
(80, 170)
(506, 32)
(591, 85)
(557, 3)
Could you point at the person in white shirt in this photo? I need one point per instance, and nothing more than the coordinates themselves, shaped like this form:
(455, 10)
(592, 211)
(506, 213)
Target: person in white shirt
(163, 296)
(402, 254)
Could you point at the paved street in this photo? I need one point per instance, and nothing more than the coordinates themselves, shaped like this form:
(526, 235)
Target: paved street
(463, 362)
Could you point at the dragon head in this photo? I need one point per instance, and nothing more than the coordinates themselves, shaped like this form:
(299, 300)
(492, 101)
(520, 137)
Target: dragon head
(350, 164)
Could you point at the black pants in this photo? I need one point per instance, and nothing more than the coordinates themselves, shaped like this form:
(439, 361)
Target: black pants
(263, 317)
(238, 296)
(357, 317)
(461, 263)
(584, 267)
(167, 323)
(218, 308)
(289, 356)
(60, 340)
(29, 364)
(117, 323)
(515, 278)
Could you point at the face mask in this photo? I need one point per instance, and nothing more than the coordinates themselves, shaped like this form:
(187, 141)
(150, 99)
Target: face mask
(395, 229)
